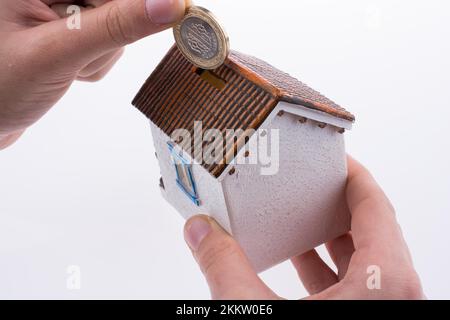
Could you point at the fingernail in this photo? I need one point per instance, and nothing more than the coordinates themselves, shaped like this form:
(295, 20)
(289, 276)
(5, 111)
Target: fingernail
(165, 11)
(196, 231)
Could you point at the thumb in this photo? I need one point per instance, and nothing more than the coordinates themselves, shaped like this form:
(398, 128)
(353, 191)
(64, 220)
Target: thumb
(105, 28)
(224, 264)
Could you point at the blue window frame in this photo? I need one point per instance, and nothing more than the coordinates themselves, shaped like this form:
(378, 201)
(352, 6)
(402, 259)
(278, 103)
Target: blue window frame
(185, 178)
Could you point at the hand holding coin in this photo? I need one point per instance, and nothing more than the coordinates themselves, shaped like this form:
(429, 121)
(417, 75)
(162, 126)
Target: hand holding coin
(201, 39)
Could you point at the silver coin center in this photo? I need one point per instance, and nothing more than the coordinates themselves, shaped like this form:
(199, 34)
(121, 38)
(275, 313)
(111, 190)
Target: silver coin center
(199, 37)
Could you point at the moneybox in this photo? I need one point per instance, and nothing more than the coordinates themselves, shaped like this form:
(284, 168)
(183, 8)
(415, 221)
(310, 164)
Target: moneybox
(251, 146)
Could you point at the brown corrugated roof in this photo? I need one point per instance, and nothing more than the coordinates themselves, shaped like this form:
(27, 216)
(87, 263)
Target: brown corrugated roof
(283, 86)
(176, 95)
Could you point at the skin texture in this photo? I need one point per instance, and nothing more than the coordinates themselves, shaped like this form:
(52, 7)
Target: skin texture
(40, 57)
(375, 240)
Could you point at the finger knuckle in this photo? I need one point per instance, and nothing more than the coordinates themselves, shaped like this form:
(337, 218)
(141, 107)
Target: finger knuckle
(117, 29)
(314, 286)
(92, 78)
(212, 257)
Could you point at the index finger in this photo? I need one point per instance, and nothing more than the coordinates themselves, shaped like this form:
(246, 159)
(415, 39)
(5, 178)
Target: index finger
(373, 217)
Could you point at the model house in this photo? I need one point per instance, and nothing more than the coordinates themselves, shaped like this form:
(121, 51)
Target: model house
(276, 178)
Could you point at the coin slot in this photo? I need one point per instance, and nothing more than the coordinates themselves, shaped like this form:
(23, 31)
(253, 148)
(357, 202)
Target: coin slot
(212, 78)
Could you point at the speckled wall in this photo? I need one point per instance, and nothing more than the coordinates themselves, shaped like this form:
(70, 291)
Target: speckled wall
(274, 217)
(277, 217)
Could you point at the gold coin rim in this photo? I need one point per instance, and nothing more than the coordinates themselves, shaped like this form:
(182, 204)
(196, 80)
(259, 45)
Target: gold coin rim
(223, 40)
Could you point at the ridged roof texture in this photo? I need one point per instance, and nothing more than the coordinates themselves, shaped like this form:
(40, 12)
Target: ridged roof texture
(284, 87)
(176, 95)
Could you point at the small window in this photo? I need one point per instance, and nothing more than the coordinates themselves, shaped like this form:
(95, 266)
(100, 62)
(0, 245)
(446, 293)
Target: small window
(185, 179)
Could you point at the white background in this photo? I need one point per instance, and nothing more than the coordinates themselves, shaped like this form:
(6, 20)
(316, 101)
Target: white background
(81, 187)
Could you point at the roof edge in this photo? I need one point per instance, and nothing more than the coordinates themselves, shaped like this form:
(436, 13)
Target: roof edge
(234, 63)
(159, 67)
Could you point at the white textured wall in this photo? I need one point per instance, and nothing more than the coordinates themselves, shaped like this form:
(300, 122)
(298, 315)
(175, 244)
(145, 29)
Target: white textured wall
(210, 191)
(277, 217)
